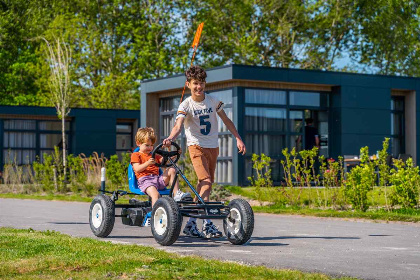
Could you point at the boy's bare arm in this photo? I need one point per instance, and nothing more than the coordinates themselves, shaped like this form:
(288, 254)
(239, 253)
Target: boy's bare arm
(231, 126)
(175, 131)
(140, 167)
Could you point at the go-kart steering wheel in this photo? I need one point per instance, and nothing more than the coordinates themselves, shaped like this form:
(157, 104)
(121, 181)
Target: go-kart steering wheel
(167, 154)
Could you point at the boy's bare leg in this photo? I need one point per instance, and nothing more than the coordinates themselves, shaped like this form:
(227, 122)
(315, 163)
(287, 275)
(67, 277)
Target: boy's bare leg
(204, 189)
(169, 175)
(153, 193)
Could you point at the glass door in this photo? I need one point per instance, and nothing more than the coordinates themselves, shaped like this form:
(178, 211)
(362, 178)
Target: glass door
(296, 120)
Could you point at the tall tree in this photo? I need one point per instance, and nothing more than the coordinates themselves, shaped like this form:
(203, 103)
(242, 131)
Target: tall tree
(20, 21)
(388, 36)
(329, 33)
(58, 57)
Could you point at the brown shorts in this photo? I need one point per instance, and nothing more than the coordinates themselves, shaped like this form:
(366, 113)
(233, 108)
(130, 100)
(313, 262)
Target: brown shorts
(204, 161)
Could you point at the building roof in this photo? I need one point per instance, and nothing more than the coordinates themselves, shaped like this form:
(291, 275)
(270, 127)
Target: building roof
(288, 75)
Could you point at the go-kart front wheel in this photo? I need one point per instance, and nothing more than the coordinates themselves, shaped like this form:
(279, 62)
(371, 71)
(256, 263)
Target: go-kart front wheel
(166, 221)
(102, 215)
(239, 225)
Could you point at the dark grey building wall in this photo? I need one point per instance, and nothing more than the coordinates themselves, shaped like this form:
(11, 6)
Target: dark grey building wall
(92, 130)
(365, 118)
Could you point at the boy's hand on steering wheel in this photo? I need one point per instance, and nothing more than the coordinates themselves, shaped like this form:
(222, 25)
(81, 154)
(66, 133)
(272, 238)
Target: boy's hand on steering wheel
(151, 161)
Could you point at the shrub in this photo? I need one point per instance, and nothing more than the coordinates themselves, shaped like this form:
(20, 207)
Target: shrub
(44, 173)
(76, 174)
(116, 170)
(360, 181)
(219, 193)
(187, 168)
(405, 180)
(261, 165)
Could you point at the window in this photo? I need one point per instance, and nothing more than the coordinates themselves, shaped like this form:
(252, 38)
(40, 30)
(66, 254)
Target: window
(24, 140)
(265, 119)
(275, 119)
(125, 138)
(314, 99)
(397, 126)
(263, 96)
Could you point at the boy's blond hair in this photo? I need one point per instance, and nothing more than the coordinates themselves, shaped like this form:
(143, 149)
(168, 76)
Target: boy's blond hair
(144, 134)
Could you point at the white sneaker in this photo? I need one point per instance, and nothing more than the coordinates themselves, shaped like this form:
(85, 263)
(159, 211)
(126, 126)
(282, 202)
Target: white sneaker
(191, 230)
(180, 195)
(210, 230)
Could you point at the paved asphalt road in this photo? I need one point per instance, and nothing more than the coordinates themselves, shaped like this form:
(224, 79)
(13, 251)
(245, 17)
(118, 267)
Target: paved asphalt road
(336, 247)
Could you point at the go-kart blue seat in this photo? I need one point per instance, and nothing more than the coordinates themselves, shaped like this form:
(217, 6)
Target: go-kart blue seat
(132, 181)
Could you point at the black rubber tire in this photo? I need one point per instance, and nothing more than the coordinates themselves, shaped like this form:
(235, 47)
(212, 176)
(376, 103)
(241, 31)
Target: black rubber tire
(108, 215)
(245, 228)
(174, 221)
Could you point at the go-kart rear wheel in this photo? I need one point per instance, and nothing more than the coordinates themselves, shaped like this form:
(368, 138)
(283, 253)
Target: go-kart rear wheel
(166, 221)
(102, 215)
(239, 225)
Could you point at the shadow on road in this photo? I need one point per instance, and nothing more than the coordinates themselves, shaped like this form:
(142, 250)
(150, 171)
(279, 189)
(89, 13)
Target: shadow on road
(136, 236)
(67, 223)
(302, 237)
(185, 241)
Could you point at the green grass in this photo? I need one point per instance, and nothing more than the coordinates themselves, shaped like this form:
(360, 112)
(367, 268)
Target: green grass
(61, 197)
(64, 197)
(404, 215)
(376, 198)
(29, 254)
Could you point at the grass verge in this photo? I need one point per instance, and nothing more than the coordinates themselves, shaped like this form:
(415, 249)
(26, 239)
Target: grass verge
(29, 254)
(404, 215)
(63, 197)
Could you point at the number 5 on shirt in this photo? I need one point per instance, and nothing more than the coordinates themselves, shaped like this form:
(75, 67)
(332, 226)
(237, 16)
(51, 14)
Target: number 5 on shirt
(203, 121)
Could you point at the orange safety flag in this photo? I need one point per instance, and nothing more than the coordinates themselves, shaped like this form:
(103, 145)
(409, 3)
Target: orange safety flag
(194, 46)
(197, 35)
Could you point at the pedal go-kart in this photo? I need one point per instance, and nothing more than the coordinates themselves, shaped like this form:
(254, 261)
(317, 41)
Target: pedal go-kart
(167, 214)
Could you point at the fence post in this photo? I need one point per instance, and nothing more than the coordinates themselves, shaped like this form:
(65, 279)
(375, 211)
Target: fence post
(103, 172)
(55, 179)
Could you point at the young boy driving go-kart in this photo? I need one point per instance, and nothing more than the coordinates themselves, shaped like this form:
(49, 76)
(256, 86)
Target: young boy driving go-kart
(147, 173)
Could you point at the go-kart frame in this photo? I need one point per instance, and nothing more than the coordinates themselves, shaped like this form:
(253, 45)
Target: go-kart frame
(167, 214)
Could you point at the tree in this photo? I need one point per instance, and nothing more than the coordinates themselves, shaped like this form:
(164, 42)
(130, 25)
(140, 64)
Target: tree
(329, 33)
(59, 60)
(20, 21)
(388, 34)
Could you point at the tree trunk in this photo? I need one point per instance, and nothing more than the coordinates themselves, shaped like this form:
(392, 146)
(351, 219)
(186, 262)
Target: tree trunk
(63, 135)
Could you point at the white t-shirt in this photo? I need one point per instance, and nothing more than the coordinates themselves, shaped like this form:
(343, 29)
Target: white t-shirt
(201, 126)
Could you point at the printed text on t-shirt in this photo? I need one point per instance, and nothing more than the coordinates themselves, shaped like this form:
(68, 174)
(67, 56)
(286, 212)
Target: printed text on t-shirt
(203, 111)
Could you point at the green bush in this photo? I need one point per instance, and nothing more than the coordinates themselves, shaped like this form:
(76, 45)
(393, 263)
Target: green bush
(360, 180)
(44, 173)
(219, 193)
(76, 175)
(116, 170)
(405, 180)
(261, 165)
(185, 164)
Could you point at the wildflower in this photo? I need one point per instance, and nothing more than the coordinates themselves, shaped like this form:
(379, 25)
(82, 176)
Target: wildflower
(331, 160)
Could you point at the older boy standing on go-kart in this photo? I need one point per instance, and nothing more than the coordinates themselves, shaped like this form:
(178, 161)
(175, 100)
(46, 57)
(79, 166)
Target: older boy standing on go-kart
(199, 113)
